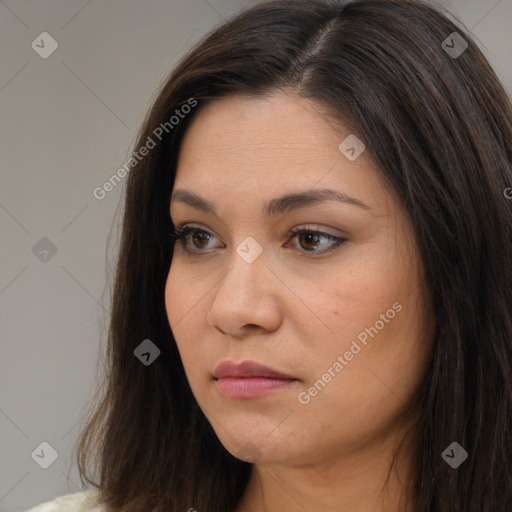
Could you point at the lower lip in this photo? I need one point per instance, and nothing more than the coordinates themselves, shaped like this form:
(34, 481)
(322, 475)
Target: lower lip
(250, 387)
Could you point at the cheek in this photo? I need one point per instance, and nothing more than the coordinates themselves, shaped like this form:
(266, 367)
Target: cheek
(186, 303)
(179, 304)
(373, 310)
(173, 288)
(379, 336)
(355, 298)
(181, 296)
(376, 281)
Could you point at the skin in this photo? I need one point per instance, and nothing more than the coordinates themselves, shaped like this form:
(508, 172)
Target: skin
(297, 310)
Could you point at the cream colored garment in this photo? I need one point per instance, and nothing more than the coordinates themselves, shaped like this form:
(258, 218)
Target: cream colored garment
(83, 501)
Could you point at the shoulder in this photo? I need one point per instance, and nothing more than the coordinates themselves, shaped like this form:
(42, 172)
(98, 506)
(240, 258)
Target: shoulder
(83, 501)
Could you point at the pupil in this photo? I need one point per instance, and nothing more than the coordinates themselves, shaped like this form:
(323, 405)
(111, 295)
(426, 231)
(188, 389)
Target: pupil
(200, 234)
(311, 236)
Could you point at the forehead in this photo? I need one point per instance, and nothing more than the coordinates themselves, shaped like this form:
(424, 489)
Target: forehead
(258, 146)
(280, 125)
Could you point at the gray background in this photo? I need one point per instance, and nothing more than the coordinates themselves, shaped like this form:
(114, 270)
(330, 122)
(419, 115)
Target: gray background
(68, 122)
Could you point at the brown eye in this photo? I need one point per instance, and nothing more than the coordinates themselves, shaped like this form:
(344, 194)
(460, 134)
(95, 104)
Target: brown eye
(308, 240)
(313, 241)
(201, 237)
(195, 239)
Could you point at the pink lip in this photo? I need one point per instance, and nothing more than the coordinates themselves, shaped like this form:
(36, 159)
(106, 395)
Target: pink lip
(247, 369)
(250, 387)
(248, 379)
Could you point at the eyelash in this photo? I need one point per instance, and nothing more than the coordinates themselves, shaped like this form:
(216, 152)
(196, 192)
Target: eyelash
(181, 234)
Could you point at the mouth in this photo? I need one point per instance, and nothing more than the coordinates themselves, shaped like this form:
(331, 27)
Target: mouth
(249, 379)
(250, 387)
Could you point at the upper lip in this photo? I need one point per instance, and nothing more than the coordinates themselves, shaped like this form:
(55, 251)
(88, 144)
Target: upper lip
(247, 369)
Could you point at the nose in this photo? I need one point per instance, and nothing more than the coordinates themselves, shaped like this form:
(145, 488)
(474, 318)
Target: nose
(246, 299)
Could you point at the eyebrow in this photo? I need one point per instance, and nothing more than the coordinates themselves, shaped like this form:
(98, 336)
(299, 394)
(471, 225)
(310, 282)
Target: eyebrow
(278, 206)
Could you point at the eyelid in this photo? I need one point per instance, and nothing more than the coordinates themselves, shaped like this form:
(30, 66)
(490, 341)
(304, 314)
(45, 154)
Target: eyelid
(316, 228)
(307, 227)
(185, 229)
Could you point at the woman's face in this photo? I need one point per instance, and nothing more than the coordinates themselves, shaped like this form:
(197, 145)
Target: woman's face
(343, 321)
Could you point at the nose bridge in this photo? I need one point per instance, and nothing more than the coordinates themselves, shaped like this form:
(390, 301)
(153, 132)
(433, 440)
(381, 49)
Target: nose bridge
(248, 268)
(246, 293)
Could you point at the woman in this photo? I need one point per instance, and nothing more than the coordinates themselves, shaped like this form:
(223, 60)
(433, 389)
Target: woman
(312, 305)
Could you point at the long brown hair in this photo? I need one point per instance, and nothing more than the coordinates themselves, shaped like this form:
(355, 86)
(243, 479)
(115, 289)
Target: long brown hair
(439, 126)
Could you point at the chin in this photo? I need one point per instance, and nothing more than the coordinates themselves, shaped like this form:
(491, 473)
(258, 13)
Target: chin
(262, 447)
